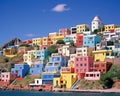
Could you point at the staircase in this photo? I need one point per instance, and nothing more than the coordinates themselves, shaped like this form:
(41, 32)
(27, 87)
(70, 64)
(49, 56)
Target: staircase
(73, 86)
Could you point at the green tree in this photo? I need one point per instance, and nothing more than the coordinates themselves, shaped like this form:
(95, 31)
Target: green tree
(60, 42)
(52, 49)
(72, 43)
(32, 56)
(96, 31)
(24, 45)
(6, 60)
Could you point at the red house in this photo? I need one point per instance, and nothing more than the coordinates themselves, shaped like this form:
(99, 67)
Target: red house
(79, 41)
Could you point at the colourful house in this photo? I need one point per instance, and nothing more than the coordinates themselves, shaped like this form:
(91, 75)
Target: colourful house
(37, 69)
(102, 67)
(10, 52)
(37, 41)
(83, 64)
(100, 55)
(27, 42)
(73, 30)
(52, 69)
(64, 32)
(32, 54)
(65, 80)
(91, 40)
(83, 51)
(110, 27)
(82, 28)
(7, 77)
(55, 63)
(79, 41)
(66, 50)
(20, 69)
(47, 78)
(92, 75)
(46, 41)
(71, 60)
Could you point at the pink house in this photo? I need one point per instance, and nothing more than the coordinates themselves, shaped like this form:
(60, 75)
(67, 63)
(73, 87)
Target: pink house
(64, 32)
(83, 64)
(7, 78)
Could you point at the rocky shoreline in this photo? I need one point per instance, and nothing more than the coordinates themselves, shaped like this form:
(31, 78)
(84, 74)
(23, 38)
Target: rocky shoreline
(112, 90)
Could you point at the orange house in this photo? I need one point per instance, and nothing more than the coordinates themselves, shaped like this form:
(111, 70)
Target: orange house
(103, 67)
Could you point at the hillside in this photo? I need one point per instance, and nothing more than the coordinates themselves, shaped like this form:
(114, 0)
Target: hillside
(6, 63)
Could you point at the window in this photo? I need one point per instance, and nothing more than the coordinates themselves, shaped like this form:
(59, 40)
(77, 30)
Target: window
(80, 64)
(76, 64)
(77, 59)
(103, 65)
(37, 81)
(72, 76)
(37, 66)
(80, 59)
(85, 59)
(84, 70)
(85, 64)
(6, 76)
(76, 70)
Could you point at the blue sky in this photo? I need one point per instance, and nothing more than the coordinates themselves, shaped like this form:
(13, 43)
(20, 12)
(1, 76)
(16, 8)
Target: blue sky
(27, 19)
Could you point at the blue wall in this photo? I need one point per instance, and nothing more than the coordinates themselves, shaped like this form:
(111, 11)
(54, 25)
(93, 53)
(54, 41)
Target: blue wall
(42, 54)
(67, 39)
(55, 63)
(20, 69)
(36, 69)
(91, 40)
(48, 78)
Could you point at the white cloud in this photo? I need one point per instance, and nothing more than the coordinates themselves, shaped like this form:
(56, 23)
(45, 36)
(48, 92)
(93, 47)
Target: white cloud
(30, 35)
(60, 8)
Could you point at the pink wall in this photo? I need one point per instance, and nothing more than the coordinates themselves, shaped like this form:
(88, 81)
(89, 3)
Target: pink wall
(7, 77)
(83, 64)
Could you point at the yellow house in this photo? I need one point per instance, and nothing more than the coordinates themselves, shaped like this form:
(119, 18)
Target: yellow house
(37, 41)
(100, 55)
(52, 37)
(82, 28)
(66, 80)
(9, 52)
(109, 27)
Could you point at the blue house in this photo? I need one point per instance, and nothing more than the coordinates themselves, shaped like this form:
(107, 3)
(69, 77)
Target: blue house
(42, 54)
(53, 67)
(20, 69)
(91, 40)
(47, 78)
(37, 69)
(67, 39)
(55, 63)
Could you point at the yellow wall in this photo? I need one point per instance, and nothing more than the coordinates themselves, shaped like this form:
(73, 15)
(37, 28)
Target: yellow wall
(81, 28)
(66, 80)
(37, 41)
(110, 27)
(101, 54)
